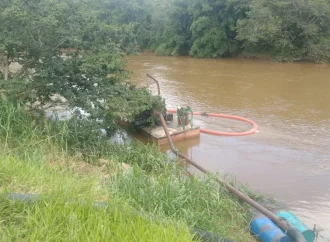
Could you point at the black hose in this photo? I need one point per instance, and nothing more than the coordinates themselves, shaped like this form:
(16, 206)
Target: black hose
(200, 234)
(206, 236)
(296, 234)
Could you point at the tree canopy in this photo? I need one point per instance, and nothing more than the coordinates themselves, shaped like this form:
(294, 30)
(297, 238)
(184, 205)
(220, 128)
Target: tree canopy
(283, 30)
(288, 30)
(71, 49)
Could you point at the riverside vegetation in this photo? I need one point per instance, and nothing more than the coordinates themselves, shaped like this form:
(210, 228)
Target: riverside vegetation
(65, 160)
(71, 56)
(282, 30)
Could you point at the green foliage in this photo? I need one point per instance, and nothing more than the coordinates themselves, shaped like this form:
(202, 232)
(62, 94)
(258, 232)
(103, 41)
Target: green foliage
(32, 29)
(72, 50)
(83, 84)
(176, 35)
(209, 39)
(166, 50)
(287, 30)
(284, 30)
(148, 157)
(129, 103)
(211, 29)
(135, 12)
(201, 28)
(320, 51)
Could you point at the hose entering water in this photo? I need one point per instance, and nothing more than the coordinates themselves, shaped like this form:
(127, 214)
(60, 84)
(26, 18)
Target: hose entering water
(281, 223)
(221, 133)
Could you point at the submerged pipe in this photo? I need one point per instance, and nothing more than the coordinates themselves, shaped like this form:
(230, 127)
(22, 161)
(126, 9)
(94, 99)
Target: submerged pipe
(200, 234)
(157, 82)
(282, 223)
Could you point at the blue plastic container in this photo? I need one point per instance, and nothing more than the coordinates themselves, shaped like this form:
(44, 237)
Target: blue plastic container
(295, 222)
(267, 231)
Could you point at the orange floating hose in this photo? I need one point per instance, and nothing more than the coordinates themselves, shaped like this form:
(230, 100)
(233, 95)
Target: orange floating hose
(221, 133)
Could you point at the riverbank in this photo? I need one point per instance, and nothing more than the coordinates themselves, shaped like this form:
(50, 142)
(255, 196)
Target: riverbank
(289, 103)
(242, 56)
(64, 161)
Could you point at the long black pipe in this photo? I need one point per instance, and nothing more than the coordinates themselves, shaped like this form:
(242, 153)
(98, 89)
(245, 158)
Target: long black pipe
(157, 82)
(282, 223)
(200, 234)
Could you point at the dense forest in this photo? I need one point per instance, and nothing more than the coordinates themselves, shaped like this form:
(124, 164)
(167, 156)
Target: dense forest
(282, 30)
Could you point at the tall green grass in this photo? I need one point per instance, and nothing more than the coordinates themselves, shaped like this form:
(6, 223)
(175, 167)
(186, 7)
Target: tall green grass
(38, 156)
(56, 217)
(58, 220)
(200, 202)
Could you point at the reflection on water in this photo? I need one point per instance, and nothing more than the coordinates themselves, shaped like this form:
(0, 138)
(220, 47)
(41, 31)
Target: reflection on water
(289, 158)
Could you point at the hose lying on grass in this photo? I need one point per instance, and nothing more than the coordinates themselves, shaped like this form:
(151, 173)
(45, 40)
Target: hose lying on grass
(200, 234)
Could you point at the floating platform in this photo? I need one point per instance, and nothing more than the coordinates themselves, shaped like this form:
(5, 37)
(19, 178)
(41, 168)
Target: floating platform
(157, 134)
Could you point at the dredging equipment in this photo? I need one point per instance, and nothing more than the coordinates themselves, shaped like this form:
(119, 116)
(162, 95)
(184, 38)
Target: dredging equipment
(183, 117)
(253, 130)
(293, 233)
(267, 226)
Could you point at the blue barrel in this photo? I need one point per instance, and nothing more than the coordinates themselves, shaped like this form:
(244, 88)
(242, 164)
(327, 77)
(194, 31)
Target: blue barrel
(295, 222)
(267, 231)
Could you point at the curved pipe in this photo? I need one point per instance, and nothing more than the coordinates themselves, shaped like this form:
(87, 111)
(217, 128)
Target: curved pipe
(283, 224)
(157, 82)
(220, 133)
(200, 235)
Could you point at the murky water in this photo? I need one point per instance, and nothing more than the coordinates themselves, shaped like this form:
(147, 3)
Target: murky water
(289, 158)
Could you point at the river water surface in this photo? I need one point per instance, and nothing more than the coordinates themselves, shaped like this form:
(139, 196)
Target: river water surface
(289, 159)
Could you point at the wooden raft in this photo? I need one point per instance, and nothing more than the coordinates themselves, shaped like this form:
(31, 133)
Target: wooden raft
(177, 132)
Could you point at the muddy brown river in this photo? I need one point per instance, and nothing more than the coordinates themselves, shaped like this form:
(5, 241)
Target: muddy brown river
(289, 159)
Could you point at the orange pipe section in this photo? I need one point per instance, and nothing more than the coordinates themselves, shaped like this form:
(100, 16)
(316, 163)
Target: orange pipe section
(220, 133)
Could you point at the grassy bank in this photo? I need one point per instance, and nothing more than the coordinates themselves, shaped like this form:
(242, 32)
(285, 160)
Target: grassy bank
(56, 217)
(69, 160)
